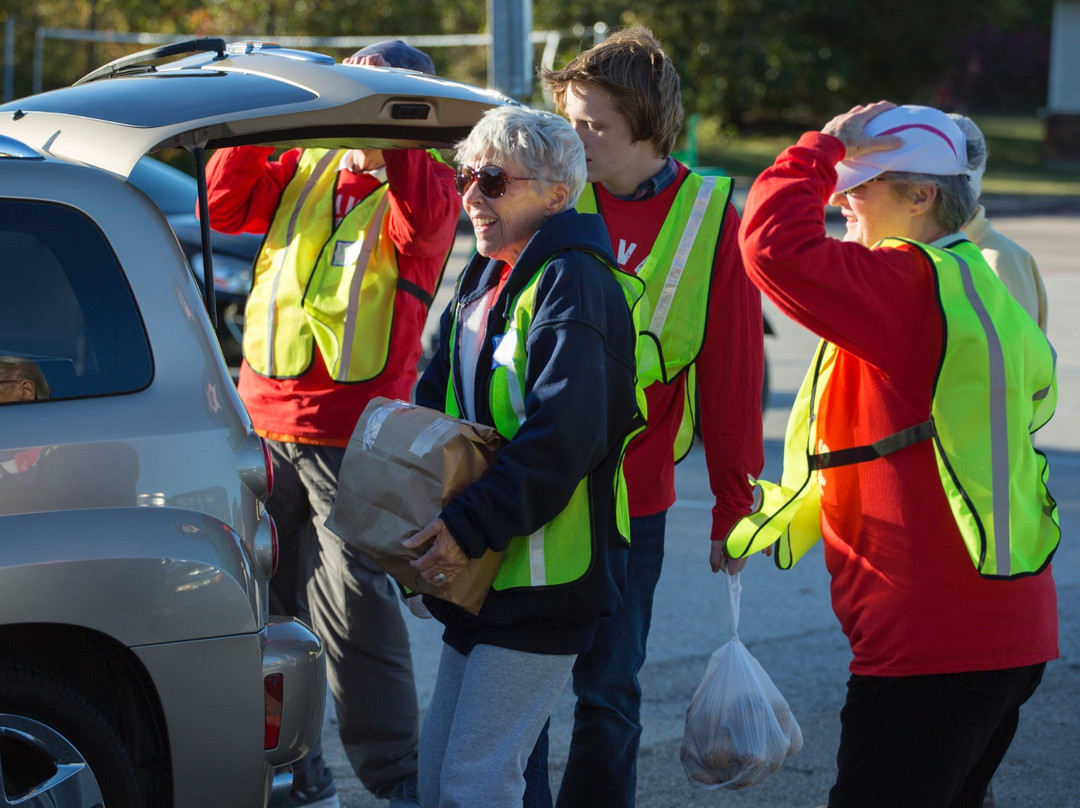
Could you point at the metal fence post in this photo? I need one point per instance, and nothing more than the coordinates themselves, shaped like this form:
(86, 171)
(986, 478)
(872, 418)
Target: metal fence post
(510, 57)
(39, 59)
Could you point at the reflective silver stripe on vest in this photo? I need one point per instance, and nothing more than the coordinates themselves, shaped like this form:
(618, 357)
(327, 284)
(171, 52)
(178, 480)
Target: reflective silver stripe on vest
(514, 389)
(290, 240)
(371, 237)
(537, 567)
(678, 264)
(999, 423)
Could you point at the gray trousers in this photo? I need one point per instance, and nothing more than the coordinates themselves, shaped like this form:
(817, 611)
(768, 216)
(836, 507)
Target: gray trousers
(483, 721)
(356, 611)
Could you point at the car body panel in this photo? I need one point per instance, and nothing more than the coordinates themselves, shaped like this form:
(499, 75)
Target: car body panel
(229, 754)
(209, 413)
(138, 521)
(138, 575)
(287, 649)
(175, 194)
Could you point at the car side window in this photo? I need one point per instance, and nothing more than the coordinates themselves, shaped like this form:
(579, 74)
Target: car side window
(65, 304)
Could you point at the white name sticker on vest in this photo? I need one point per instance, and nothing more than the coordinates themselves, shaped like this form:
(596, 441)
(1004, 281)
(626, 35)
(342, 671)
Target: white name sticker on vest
(504, 349)
(346, 253)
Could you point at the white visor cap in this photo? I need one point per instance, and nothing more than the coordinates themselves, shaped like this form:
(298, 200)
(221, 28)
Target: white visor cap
(933, 144)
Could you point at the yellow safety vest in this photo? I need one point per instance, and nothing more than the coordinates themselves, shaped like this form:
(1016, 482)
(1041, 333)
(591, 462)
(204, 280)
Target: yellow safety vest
(319, 285)
(678, 277)
(560, 552)
(996, 385)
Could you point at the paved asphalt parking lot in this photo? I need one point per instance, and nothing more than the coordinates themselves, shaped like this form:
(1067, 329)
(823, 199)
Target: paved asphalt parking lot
(786, 619)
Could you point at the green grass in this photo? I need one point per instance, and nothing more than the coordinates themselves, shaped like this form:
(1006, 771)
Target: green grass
(740, 155)
(1015, 165)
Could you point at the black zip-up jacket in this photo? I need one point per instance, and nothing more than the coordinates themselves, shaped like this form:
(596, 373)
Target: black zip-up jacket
(580, 405)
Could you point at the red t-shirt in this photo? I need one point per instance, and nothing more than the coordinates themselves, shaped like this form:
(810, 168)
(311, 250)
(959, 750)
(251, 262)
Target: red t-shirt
(903, 586)
(729, 372)
(244, 190)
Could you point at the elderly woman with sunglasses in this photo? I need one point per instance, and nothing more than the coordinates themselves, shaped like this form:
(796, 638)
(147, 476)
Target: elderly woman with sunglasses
(909, 452)
(538, 341)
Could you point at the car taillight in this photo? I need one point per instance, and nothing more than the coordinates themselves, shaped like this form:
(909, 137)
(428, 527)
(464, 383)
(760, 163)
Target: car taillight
(274, 687)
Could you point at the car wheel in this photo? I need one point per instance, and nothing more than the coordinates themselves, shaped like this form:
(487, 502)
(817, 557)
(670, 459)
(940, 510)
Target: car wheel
(57, 748)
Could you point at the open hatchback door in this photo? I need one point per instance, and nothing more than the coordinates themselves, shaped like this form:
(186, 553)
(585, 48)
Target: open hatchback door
(229, 95)
(212, 94)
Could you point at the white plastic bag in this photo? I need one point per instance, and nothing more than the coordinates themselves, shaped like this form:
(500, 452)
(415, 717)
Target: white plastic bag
(739, 729)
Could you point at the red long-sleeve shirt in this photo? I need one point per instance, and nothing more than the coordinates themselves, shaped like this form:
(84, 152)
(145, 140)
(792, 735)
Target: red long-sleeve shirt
(245, 188)
(729, 372)
(903, 586)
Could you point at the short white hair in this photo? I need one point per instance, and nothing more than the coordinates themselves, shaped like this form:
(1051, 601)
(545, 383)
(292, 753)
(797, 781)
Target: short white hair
(976, 149)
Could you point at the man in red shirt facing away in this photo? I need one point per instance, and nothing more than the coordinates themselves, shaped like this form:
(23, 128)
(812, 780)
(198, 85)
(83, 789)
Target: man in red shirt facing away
(910, 452)
(356, 242)
(678, 231)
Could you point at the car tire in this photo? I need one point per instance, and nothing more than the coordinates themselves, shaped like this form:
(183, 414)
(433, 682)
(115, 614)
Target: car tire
(55, 740)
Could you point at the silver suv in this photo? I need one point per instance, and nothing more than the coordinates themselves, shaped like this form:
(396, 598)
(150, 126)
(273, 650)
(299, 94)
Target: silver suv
(138, 663)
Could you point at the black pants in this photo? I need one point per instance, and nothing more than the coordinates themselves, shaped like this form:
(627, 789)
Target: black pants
(927, 741)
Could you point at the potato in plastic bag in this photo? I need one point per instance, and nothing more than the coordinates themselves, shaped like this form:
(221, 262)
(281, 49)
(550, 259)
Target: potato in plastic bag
(739, 728)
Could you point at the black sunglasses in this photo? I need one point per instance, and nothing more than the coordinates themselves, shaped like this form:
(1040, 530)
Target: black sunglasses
(490, 179)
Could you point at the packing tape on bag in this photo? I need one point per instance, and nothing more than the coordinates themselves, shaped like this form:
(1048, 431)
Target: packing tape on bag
(374, 424)
(424, 442)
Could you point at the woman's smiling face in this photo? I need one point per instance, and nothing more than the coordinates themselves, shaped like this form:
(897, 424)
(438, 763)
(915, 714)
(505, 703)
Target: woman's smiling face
(504, 225)
(873, 211)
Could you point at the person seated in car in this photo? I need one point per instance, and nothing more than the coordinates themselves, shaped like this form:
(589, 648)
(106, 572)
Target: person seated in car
(21, 380)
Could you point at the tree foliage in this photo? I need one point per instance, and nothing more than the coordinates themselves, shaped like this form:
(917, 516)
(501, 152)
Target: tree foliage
(762, 61)
(744, 62)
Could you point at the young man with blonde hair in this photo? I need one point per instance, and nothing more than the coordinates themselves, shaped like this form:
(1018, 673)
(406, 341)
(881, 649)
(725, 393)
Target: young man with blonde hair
(676, 230)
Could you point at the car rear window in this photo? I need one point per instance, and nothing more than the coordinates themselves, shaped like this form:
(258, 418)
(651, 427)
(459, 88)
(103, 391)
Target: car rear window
(65, 303)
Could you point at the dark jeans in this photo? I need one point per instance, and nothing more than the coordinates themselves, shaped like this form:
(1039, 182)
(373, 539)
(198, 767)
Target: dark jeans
(927, 740)
(602, 766)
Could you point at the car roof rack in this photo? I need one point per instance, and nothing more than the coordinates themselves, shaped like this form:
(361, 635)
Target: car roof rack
(141, 62)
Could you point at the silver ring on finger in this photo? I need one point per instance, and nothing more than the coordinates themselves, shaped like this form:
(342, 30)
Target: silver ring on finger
(440, 577)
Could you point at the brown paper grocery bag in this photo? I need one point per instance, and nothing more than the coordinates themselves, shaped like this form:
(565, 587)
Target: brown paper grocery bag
(402, 464)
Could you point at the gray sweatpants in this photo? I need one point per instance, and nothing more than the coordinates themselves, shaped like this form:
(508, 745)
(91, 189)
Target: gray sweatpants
(356, 611)
(484, 718)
